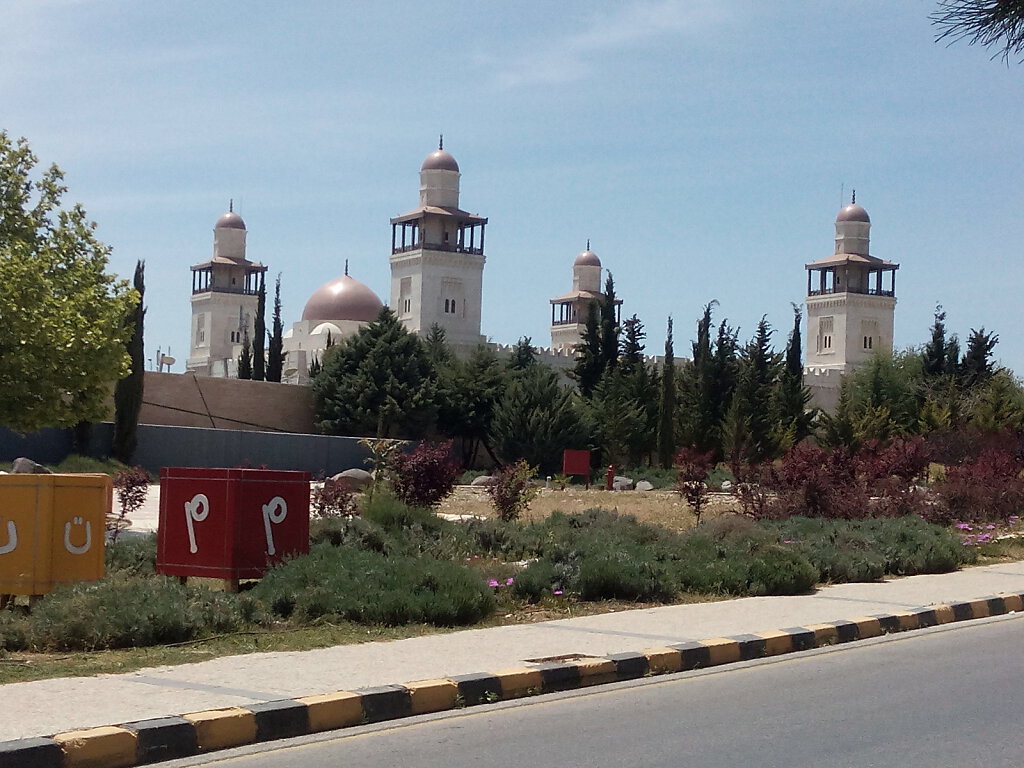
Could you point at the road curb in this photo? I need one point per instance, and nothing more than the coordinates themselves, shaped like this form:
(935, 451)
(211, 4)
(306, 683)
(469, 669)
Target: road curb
(149, 741)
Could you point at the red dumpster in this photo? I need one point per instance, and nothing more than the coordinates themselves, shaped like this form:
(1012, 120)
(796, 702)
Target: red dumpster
(230, 523)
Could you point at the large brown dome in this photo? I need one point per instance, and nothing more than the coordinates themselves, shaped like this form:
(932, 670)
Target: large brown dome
(344, 298)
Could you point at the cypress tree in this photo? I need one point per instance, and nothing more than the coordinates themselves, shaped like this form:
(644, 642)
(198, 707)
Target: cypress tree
(275, 354)
(667, 408)
(245, 357)
(259, 341)
(129, 390)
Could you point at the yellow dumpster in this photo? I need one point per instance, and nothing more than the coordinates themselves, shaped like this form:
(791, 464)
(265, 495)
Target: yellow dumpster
(51, 530)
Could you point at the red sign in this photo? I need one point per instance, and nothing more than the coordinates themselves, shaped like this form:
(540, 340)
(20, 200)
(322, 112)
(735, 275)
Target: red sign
(575, 462)
(230, 523)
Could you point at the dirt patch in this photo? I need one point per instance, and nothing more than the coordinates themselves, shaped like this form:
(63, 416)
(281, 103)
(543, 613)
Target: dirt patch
(663, 508)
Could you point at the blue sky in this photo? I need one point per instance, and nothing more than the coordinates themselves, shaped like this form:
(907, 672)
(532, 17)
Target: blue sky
(702, 147)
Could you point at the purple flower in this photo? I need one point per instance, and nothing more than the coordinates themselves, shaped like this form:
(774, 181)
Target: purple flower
(990, 527)
(493, 583)
(963, 527)
(509, 581)
(557, 592)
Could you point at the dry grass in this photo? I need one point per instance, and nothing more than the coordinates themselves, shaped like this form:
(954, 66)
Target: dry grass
(664, 508)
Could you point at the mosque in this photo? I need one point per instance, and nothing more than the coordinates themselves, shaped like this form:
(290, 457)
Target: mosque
(437, 265)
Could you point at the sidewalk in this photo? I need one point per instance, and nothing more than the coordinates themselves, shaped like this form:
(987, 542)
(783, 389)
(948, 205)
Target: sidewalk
(52, 706)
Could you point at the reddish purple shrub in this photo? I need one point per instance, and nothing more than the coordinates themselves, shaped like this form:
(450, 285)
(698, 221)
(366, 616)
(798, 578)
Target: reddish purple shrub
(334, 498)
(131, 486)
(989, 488)
(834, 483)
(425, 475)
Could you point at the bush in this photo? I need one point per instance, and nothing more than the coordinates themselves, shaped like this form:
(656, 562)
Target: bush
(625, 573)
(333, 498)
(868, 550)
(394, 515)
(988, 488)
(536, 580)
(369, 588)
(424, 476)
(512, 491)
(123, 612)
(133, 555)
(692, 485)
(131, 487)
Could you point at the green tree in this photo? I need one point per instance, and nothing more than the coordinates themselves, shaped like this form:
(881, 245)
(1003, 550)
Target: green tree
(995, 24)
(376, 383)
(749, 425)
(667, 404)
(275, 352)
(523, 355)
(63, 317)
(999, 405)
(598, 350)
(976, 366)
(435, 344)
(259, 340)
(791, 396)
(468, 393)
(940, 356)
(536, 419)
(245, 357)
(128, 391)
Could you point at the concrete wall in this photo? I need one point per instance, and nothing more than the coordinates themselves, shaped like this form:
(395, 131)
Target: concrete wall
(187, 400)
(164, 446)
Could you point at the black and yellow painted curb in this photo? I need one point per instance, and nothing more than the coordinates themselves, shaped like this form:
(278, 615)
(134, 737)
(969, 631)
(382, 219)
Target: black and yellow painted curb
(151, 741)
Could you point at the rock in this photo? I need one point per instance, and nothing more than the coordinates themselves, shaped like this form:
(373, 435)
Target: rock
(644, 485)
(727, 486)
(622, 483)
(484, 480)
(357, 479)
(23, 466)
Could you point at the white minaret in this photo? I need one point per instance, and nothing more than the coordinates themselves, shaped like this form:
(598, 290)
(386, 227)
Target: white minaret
(437, 258)
(569, 312)
(851, 304)
(225, 292)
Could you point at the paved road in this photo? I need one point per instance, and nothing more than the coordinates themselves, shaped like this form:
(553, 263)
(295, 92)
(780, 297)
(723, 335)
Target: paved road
(951, 696)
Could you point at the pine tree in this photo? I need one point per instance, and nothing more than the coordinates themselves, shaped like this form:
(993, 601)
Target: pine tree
(535, 419)
(523, 356)
(128, 391)
(976, 366)
(259, 340)
(940, 356)
(275, 353)
(667, 406)
(436, 345)
(376, 383)
(588, 369)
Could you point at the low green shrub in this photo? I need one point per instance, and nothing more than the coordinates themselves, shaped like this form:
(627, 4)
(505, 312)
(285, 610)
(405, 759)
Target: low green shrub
(132, 555)
(13, 631)
(625, 573)
(367, 587)
(77, 464)
(122, 612)
(868, 550)
(536, 580)
(393, 515)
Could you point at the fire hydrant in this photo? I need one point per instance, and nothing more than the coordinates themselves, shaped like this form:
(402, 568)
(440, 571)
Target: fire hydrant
(609, 478)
